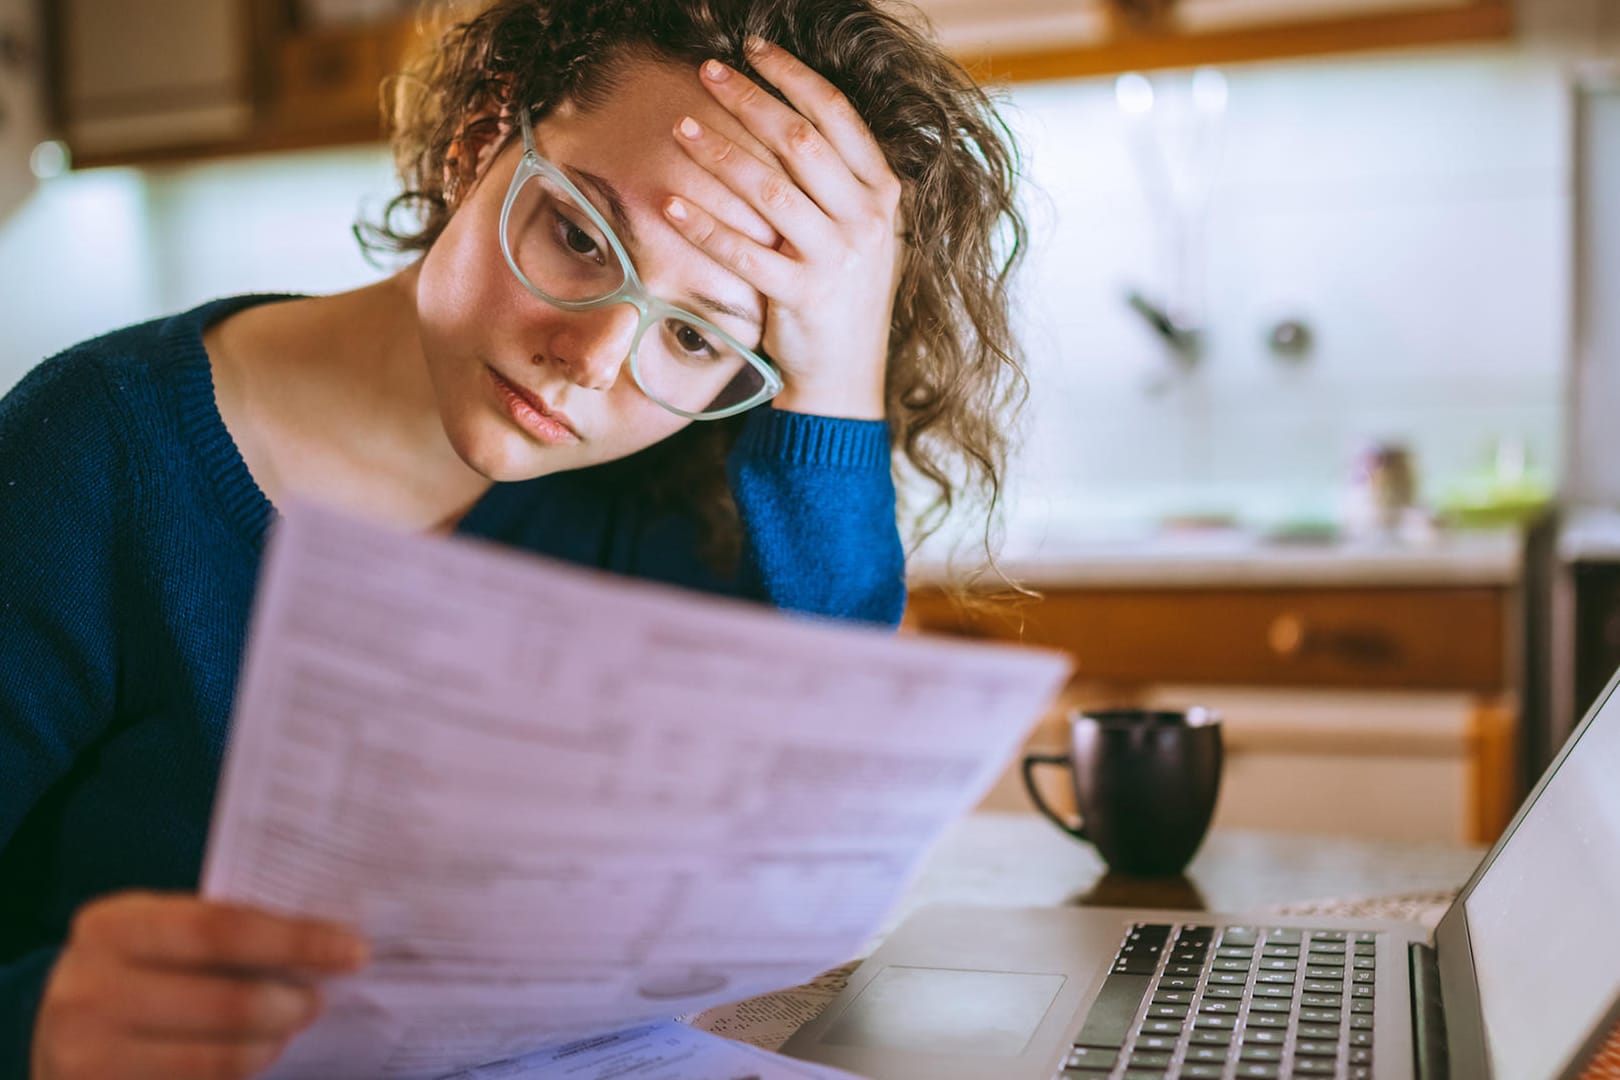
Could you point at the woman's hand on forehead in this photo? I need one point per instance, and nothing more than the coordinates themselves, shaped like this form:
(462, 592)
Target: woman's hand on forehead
(823, 184)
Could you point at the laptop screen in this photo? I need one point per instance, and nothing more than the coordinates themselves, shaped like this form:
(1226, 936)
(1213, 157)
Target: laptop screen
(1541, 919)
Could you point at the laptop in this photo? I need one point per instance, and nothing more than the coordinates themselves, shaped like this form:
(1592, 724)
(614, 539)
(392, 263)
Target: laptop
(1519, 981)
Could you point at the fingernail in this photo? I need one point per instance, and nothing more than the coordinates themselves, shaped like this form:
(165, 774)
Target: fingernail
(347, 950)
(675, 209)
(754, 44)
(689, 128)
(715, 71)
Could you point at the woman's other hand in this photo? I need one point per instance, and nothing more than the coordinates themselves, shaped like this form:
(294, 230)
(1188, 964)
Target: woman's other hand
(829, 285)
(168, 985)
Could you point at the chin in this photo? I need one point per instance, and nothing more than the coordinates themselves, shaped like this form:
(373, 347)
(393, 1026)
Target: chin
(497, 454)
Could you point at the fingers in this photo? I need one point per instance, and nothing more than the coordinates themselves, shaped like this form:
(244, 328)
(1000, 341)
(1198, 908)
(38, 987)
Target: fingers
(770, 192)
(190, 1060)
(183, 931)
(766, 269)
(173, 1005)
(820, 102)
(807, 156)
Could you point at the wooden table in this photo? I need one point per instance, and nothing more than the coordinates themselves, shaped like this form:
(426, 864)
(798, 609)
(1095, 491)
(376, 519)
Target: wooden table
(1011, 858)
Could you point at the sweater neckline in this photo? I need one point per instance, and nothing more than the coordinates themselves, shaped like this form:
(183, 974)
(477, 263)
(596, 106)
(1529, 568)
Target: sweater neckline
(243, 503)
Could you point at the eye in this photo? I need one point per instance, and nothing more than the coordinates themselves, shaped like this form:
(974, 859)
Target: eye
(577, 239)
(692, 341)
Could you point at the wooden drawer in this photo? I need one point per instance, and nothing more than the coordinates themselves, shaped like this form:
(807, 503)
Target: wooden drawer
(1415, 638)
(332, 76)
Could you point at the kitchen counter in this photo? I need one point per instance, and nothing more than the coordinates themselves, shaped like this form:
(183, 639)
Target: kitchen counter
(1590, 534)
(1236, 558)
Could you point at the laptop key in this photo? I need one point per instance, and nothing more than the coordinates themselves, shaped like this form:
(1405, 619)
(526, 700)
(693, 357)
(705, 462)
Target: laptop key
(1228, 993)
(1329, 1032)
(1260, 1070)
(1274, 990)
(1315, 1067)
(1361, 1005)
(1279, 965)
(1218, 1023)
(1323, 986)
(1363, 1021)
(1320, 1016)
(1270, 1005)
(1173, 997)
(1360, 1055)
(1151, 1059)
(1202, 1071)
(1325, 973)
(1109, 1021)
(1281, 977)
(1252, 1052)
(1156, 1042)
(1316, 1048)
(1230, 978)
(1205, 1037)
(1283, 936)
(1322, 1001)
(1091, 1057)
(1361, 1038)
(1162, 1027)
(1206, 1053)
(1240, 935)
(1168, 1012)
(1268, 1020)
(1179, 982)
(1263, 1037)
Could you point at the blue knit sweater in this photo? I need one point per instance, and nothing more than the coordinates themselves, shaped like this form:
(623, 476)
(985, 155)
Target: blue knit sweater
(130, 538)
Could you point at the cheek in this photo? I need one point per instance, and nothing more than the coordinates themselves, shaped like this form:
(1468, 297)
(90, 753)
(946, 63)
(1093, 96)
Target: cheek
(639, 422)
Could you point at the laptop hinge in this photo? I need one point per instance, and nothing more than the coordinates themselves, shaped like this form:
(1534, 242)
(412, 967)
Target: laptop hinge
(1432, 1059)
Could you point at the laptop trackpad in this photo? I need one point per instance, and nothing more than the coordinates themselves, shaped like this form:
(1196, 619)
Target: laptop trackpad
(947, 1011)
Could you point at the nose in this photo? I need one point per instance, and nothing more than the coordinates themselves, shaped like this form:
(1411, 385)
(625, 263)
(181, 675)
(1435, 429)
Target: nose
(592, 346)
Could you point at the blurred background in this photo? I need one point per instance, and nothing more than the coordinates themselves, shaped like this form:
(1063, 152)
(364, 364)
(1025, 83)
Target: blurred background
(1322, 373)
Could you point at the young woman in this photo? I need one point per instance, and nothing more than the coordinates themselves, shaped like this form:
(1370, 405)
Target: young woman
(690, 273)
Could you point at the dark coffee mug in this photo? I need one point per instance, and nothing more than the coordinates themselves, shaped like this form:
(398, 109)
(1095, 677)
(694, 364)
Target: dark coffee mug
(1145, 783)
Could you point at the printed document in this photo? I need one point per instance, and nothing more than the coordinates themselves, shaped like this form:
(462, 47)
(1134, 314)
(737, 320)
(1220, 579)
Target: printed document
(559, 802)
(666, 1051)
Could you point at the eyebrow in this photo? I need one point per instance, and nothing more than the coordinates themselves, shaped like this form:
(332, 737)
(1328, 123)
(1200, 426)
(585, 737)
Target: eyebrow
(626, 231)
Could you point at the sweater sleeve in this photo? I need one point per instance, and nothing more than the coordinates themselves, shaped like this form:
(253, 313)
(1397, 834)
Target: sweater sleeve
(817, 502)
(60, 480)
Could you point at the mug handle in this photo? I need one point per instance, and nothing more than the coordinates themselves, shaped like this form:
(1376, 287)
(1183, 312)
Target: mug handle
(1075, 828)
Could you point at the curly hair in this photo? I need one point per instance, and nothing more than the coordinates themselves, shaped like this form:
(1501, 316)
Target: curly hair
(954, 375)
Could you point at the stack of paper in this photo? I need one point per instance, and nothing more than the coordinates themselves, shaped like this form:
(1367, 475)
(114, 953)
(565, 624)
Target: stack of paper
(559, 802)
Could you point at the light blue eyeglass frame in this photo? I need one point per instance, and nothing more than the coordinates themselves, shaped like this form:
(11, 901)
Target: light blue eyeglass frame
(630, 291)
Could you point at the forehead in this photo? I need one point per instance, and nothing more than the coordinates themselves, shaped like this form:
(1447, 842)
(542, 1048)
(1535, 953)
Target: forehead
(629, 138)
(630, 131)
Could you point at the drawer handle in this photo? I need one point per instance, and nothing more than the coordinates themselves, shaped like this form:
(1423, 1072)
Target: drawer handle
(1288, 636)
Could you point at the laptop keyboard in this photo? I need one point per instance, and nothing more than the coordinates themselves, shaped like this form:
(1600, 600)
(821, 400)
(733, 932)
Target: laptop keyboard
(1218, 1003)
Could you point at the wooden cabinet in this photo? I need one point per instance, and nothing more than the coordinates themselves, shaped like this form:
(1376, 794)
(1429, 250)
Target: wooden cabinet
(1342, 700)
(130, 75)
(1052, 39)
(139, 81)
(152, 80)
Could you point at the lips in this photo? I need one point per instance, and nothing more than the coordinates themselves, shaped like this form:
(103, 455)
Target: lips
(529, 409)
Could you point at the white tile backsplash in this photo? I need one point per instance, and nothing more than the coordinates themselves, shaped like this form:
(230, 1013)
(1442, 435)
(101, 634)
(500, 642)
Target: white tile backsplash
(1413, 208)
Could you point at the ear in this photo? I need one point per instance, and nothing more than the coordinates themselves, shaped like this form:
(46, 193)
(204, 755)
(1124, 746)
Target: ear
(471, 151)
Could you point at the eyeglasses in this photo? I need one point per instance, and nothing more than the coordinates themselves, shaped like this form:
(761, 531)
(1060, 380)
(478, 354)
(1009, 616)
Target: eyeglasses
(563, 251)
